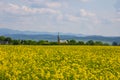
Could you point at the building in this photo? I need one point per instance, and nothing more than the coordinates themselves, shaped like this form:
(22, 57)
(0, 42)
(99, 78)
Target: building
(61, 41)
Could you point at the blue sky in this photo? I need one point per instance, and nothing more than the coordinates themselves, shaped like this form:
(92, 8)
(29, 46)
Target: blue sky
(90, 17)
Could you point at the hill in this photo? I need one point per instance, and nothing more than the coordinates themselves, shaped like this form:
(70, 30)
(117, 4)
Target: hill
(52, 36)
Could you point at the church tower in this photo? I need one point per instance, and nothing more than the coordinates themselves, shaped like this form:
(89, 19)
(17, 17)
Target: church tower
(58, 38)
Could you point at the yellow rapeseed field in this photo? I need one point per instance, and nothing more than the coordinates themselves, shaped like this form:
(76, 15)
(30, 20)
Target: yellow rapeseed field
(59, 63)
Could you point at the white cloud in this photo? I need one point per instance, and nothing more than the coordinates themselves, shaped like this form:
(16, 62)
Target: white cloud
(85, 13)
(60, 17)
(85, 0)
(118, 11)
(34, 1)
(50, 4)
(1, 6)
(114, 20)
(53, 4)
(72, 18)
(16, 9)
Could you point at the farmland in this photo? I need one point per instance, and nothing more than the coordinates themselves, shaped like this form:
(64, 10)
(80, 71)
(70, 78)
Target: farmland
(59, 63)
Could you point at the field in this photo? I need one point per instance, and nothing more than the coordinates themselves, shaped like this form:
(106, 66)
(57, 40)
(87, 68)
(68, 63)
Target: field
(59, 63)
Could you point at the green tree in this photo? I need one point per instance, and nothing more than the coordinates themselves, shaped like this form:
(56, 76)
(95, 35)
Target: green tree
(115, 43)
(31, 42)
(90, 42)
(98, 43)
(16, 42)
(72, 42)
(2, 38)
(42, 42)
(8, 39)
(53, 43)
(119, 44)
(81, 43)
(106, 44)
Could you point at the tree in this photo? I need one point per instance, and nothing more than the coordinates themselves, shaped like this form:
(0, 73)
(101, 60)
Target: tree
(22, 42)
(114, 43)
(31, 42)
(81, 43)
(90, 42)
(8, 39)
(16, 42)
(119, 44)
(72, 42)
(2, 38)
(53, 43)
(106, 44)
(98, 43)
(42, 42)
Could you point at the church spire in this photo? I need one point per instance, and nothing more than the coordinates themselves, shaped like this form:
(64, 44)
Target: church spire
(58, 38)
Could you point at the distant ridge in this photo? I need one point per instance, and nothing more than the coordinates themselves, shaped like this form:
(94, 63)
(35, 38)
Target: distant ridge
(4, 31)
(52, 36)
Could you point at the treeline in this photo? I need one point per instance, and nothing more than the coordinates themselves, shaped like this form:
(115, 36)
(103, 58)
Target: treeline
(9, 41)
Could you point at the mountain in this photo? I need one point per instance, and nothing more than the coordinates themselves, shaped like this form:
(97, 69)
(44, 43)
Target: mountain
(52, 36)
(5, 31)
